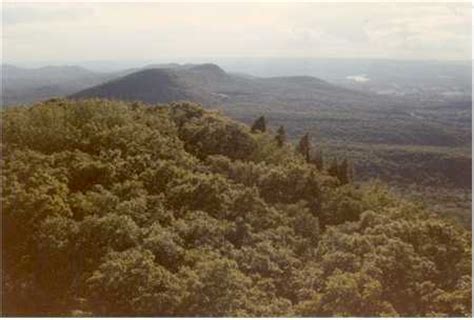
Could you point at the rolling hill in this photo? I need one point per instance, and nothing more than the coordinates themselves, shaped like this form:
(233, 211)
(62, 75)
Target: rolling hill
(209, 84)
(24, 85)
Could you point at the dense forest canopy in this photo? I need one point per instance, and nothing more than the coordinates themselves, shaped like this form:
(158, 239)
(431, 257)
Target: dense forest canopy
(114, 209)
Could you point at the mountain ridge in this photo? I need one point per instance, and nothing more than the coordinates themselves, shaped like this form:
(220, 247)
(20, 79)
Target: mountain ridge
(210, 84)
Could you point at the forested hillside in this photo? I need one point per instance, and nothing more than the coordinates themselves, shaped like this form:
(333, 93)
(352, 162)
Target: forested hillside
(123, 209)
(389, 137)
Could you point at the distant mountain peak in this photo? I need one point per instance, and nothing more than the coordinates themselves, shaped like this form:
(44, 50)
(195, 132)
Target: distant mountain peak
(208, 67)
(149, 85)
(211, 85)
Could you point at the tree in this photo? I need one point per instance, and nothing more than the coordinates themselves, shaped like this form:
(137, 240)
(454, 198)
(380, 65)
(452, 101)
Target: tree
(317, 160)
(281, 136)
(304, 147)
(217, 288)
(343, 172)
(130, 282)
(350, 171)
(259, 125)
(349, 294)
(113, 208)
(333, 168)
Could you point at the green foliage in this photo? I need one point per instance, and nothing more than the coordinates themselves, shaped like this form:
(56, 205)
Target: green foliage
(218, 288)
(129, 282)
(204, 133)
(115, 209)
(382, 256)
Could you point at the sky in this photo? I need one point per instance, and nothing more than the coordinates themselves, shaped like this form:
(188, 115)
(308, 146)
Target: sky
(68, 32)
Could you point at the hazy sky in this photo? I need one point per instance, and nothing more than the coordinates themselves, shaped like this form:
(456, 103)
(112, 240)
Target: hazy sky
(120, 31)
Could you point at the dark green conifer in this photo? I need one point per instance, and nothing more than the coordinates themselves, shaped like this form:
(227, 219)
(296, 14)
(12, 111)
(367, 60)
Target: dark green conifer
(314, 192)
(304, 147)
(281, 136)
(345, 172)
(350, 171)
(317, 160)
(259, 125)
(333, 169)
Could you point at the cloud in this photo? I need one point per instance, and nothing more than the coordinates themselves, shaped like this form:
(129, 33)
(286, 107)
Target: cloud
(144, 31)
(21, 13)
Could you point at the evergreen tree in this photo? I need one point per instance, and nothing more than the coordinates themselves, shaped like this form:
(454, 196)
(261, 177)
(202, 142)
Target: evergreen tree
(342, 172)
(317, 160)
(304, 147)
(259, 125)
(314, 194)
(281, 136)
(333, 168)
(350, 171)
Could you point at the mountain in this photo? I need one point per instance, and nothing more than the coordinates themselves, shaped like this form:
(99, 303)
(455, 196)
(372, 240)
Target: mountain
(423, 82)
(28, 85)
(209, 84)
(420, 80)
(24, 85)
(154, 85)
(150, 84)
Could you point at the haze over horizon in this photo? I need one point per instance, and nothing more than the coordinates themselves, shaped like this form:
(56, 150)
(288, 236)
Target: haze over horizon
(170, 32)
